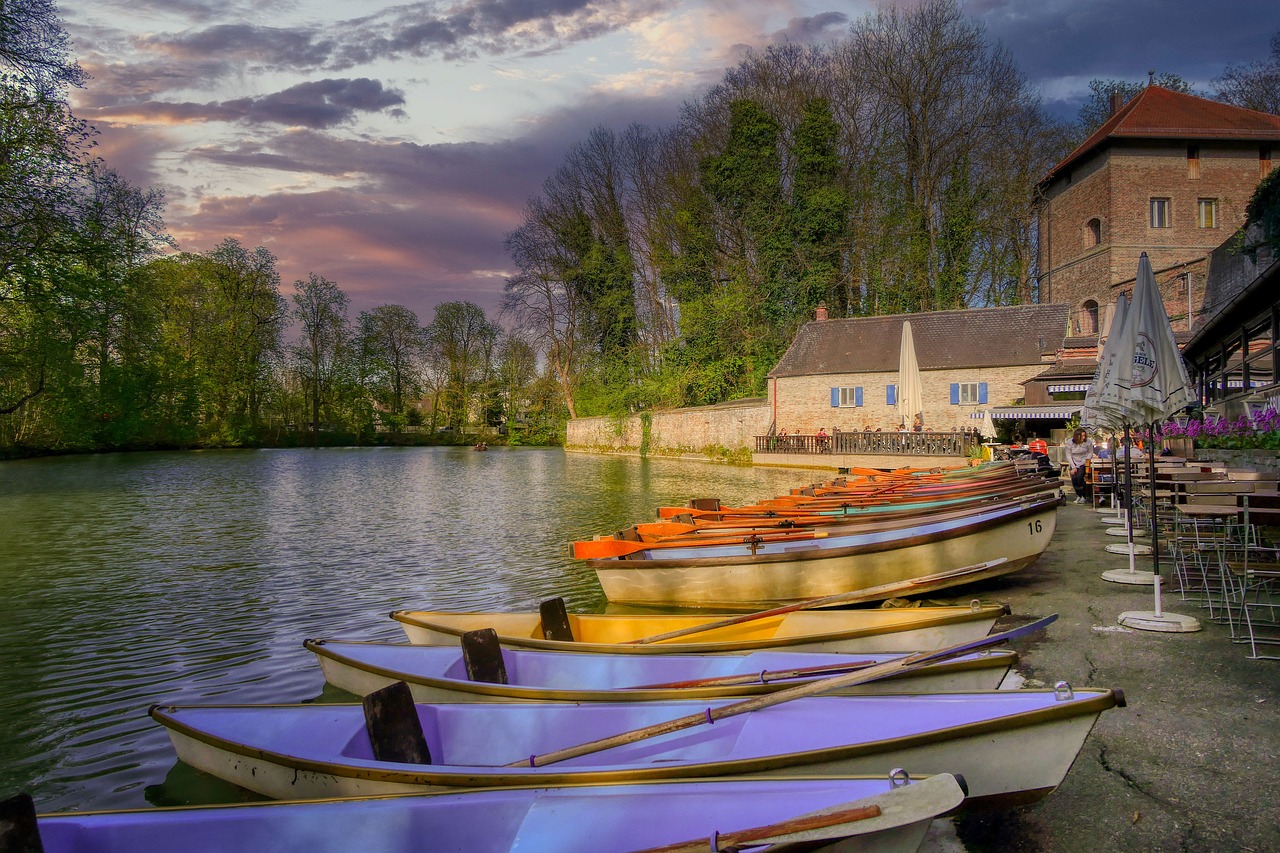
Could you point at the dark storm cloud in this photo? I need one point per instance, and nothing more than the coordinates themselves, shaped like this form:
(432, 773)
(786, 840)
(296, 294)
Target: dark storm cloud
(270, 47)
(1063, 44)
(316, 104)
(417, 29)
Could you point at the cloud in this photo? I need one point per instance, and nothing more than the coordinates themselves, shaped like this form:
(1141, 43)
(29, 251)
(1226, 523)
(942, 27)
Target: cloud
(415, 30)
(316, 104)
(1061, 46)
(814, 29)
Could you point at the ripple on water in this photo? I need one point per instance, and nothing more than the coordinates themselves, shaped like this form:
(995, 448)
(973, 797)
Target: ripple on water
(135, 579)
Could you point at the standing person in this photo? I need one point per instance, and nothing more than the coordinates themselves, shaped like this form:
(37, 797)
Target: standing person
(1078, 450)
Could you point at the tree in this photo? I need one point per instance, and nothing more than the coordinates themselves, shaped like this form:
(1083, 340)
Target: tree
(516, 371)
(1254, 85)
(463, 339)
(541, 299)
(247, 318)
(392, 346)
(820, 205)
(34, 55)
(320, 307)
(945, 93)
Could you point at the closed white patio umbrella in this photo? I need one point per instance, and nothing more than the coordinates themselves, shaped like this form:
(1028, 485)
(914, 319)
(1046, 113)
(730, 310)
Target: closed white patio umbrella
(910, 386)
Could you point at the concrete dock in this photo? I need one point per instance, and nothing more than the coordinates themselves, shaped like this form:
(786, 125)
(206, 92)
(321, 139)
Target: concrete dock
(1193, 762)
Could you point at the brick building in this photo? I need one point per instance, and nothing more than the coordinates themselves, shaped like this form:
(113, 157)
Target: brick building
(1169, 174)
(843, 374)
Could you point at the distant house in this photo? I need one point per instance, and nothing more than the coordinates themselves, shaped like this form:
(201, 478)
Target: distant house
(1169, 174)
(843, 374)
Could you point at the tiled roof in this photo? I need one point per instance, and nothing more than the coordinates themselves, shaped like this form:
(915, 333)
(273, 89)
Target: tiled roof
(1073, 369)
(1159, 113)
(975, 337)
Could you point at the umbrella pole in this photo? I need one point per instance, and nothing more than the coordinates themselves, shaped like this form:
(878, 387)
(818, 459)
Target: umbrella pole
(1132, 575)
(1155, 533)
(1158, 620)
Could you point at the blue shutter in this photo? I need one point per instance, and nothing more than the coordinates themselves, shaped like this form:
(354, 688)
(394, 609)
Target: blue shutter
(982, 393)
(891, 395)
(955, 393)
(857, 396)
(835, 397)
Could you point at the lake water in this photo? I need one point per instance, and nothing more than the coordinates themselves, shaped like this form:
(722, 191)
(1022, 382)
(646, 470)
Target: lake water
(133, 579)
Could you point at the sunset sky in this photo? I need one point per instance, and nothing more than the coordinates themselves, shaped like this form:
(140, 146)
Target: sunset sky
(391, 146)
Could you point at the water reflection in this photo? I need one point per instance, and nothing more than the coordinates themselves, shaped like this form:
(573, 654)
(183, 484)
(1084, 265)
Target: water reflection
(133, 579)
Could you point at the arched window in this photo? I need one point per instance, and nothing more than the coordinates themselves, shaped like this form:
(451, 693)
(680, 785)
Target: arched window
(1092, 232)
(1089, 318)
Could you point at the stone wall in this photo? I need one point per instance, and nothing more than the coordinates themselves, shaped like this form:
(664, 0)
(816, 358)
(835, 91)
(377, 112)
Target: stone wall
(726, 431)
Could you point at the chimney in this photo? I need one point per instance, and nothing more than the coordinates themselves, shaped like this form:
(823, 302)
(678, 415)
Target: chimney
(821, 314)
(1117, 101)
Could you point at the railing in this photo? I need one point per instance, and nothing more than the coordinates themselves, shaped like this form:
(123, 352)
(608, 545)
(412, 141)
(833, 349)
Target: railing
(873, 443)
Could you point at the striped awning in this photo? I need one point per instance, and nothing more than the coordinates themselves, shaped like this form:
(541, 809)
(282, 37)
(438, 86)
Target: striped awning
(1066, 389)
(1056, 411)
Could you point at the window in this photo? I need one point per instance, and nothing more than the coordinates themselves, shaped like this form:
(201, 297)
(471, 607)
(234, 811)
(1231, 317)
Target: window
(1160, 213)
(1088, 323)
(1208, 213)
(1264, 161)
(891, 395)
(968, 393)
(1193, 162)
(846, 398)
(1092, 232)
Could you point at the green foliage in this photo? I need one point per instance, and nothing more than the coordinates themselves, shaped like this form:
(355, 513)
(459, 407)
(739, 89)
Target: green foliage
(1264, 210)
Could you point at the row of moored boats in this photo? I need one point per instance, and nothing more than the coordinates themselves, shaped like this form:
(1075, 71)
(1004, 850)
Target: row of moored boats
(788, 726)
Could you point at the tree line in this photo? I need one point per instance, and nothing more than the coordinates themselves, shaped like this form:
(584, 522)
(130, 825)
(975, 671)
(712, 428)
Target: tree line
(110, 339)
(892, 170)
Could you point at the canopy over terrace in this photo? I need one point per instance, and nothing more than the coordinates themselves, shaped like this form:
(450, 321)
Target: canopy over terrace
(1047, 412)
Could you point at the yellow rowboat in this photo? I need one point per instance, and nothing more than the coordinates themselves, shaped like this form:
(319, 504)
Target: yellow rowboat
(847, 631)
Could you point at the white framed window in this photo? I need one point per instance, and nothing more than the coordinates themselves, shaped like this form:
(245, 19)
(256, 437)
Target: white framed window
(1160, 213)
(968, 393)
(1207, 213)
(847, 397)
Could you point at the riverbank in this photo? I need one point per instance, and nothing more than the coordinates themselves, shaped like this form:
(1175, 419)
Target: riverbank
(1188, 765)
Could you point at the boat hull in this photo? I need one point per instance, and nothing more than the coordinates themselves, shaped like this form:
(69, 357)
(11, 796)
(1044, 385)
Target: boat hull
(844, 631)
(438, 674)
(1011, 746)
(523, 820)
(881, 564)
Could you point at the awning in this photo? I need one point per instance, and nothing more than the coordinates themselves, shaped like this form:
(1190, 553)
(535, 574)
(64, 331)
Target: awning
(1066, 389)
(1054, 411)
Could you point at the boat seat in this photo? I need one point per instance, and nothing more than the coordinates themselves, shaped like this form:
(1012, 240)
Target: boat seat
(482, 655)
(395, 732)
(555, 620)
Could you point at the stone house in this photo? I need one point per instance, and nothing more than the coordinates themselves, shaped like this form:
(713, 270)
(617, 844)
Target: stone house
(1169, 174)
(843, 374)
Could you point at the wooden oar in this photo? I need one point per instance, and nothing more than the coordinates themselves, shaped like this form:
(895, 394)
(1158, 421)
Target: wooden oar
(811, 688)
(603, 548)
(808, 604)
(762, 677)
(760, 835)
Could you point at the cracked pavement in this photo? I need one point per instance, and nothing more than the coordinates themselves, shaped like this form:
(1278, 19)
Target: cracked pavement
(1193, 762)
